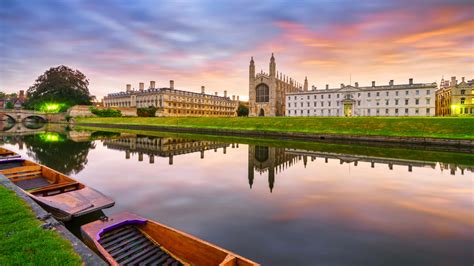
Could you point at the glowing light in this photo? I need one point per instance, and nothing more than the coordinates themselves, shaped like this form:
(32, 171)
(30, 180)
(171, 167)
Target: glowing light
(52, 107)
(51, 137)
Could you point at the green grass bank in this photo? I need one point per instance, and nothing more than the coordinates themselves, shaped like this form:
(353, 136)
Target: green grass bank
(23, 242)
(427, 127)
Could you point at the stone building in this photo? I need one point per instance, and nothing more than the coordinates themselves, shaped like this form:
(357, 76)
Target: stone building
(173, 102)
(453, 98)
(412, 99)
(267, 90)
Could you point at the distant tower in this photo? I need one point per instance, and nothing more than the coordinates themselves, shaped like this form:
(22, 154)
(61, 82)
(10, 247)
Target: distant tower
(305, 83)
(272, 66)
(252, 95)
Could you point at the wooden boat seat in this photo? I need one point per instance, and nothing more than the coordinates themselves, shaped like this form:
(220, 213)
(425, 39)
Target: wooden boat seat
(23, 176)
(56, 188)
(21, 169)
(129, 246)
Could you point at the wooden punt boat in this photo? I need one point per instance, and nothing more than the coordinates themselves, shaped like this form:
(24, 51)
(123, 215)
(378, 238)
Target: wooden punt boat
(62, 196)
(6, 155)
(128, 239)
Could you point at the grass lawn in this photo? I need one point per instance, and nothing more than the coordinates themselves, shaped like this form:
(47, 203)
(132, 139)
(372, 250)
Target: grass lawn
(23, 242)
(434, 127)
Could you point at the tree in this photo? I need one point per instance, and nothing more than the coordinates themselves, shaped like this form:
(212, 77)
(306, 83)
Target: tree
(243, 110)
(60, 85)
(9, 105)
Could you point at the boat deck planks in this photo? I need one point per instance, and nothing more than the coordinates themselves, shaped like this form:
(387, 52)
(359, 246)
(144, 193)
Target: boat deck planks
(32, 183)
(129, 246)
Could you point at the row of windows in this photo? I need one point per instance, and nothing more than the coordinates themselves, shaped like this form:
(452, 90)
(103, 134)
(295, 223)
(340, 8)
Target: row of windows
(387, 102)
(463, 92)
(369, 111)
(359, 94)
(463, 101)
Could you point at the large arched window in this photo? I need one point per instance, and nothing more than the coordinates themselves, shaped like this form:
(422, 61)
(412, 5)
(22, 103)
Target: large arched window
(261, 153)
(262, 93)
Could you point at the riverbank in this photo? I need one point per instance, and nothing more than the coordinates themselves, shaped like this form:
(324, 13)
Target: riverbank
(24, 242)
(419, 130)
(401, 152)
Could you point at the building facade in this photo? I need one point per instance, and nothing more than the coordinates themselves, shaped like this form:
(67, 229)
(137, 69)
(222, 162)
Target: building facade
(453, 98)
(412, 99)
(173, 102)
(267, 90)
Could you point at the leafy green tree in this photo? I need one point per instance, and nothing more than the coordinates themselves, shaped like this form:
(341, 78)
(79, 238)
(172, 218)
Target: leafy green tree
(9, 105)
(59, 85)
(242, 110)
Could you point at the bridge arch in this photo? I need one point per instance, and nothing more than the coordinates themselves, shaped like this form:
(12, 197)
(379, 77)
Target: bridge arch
(36, 117)
(19, 116)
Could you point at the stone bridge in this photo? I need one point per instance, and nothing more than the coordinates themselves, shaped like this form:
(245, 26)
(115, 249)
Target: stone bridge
(20, 129)
(20, 116)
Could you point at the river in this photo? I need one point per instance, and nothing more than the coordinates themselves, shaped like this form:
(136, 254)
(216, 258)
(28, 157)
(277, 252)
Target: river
(279, 202)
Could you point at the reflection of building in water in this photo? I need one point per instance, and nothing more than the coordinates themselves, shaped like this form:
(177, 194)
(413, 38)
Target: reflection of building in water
(273, 160)
(163, 147)
(349, 158)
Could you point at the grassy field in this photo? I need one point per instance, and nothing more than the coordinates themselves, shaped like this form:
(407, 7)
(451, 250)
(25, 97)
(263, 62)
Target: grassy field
(465, 159)
(434, 127)
(23, 242)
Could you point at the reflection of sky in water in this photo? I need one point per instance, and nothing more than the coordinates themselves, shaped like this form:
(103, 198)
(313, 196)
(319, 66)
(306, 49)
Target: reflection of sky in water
(324, 213)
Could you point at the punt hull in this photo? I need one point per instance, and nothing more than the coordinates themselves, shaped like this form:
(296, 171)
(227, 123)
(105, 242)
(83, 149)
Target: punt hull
(62, 196)
(118, 247)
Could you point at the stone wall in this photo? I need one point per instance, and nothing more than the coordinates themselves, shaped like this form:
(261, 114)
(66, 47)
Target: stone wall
(83, 111)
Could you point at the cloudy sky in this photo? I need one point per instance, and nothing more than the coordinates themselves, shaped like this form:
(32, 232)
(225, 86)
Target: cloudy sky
(210, 42)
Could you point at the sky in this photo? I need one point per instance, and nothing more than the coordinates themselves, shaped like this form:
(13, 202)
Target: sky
(209, 43)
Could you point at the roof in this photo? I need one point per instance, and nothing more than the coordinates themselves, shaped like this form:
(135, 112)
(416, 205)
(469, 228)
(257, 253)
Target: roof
(350, 88)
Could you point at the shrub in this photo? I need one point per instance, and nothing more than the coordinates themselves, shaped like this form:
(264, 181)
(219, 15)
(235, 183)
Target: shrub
(147, 112)
(105, 112)
(9, 105)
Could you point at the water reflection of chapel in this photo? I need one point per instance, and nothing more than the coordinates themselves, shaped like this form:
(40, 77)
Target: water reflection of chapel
(269, 159)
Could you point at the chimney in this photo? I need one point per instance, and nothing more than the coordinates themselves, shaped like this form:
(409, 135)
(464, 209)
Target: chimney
(391, 82)
(172, 84)
(233, 97)
(225, 94)
(129, 87)
(215, 93)
(453, 81)
(357, 84)
(327, 86)
(342, 85)
(373, 83)
(410, 81)
(202, 89)
(22, 93)
(461, 79)
(152, 84)
(141, 85)
(238, 98)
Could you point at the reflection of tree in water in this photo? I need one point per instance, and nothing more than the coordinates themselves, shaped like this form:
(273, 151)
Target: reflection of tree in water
(57, 152)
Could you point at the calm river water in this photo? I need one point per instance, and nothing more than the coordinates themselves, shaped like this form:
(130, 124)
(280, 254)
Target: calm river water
(278, 203)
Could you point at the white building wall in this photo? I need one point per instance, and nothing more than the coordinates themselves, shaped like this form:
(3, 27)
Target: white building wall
(398, 100)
